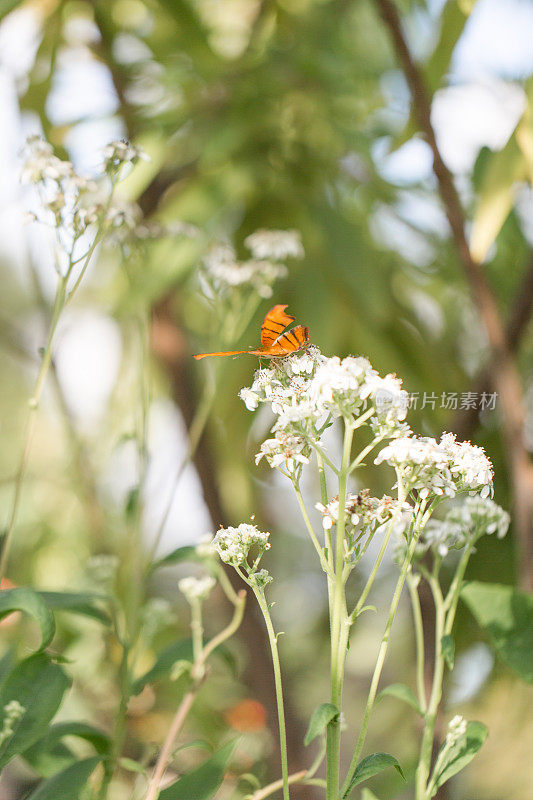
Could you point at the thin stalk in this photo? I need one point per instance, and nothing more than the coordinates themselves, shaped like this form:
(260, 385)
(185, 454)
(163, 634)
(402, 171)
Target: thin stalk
(273, 641)
(33, 404)
(412, 585)
(445, 610)
(382, 654)
(198, 674)
(426, 747)
(320, 551)
(339, 626)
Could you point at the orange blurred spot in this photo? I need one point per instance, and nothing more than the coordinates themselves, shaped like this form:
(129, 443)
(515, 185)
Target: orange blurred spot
(247, 716)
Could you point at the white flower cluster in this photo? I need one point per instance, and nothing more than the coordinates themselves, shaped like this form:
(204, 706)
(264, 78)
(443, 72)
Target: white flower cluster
(234, 544)
(362, 510)
(196, 589)
(223, 270)
(285, 450)
(118, 153)
(74, 203)
(275, 244)
(465, 522)
(306, 390)
(439, 468)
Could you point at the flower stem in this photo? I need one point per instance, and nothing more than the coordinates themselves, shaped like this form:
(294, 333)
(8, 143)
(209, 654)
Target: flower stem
(273, 641)
(419, 640)
(339, 626)
(320, 551)
(445, 610)
(381, 656)
(59, 304)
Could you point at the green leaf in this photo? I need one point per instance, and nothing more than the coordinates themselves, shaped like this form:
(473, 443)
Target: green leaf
(448, 649)
(177, 651)
(38, 685)
(48, 754)
(28, 601)
(507, 617)
(370, 766)
(402, 692)
(204, 781)
(462, 752)
(496, 196)
(186, 553)
(322, 716)
(77, 603)
(67, 784)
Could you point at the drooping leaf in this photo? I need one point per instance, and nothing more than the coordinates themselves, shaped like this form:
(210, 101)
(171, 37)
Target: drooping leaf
(49, 754)
(24, 599)
(402, 692)
(462, 752)
(320, 719)
(507, 617)
(67, 784)
(448, 649)
(185, 553)
(203, 782)
(38, 685)
(177, 651)
(77, 603)
(370, 766)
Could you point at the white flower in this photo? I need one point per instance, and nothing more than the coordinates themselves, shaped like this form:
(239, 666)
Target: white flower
(234, 544)
(469, 464)
(389, 399)
(249, 398)
(284, 449)
(465, 522)
(122, 152)
(363, 512)
(275, 244)
(196, 589)
(226, 272)
(336, 384)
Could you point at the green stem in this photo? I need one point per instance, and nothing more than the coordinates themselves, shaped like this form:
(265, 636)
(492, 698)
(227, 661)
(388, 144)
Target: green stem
(319, 549)
(273, 641)
(412, 585)
(426, 747)
(59, 304)
(445, 610)
(381, 655)
(339, 626)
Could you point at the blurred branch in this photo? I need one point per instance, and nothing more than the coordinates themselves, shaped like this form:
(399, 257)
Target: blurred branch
(503, 367)
(466, 420)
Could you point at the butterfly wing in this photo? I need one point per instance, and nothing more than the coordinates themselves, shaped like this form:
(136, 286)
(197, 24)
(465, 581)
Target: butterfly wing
(273, 325)
(290, 342)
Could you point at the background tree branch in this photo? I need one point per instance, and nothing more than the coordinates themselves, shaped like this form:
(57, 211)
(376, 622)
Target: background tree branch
(503, 367)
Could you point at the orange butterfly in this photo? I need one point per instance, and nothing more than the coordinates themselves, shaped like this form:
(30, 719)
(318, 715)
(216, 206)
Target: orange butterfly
(274, 343)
